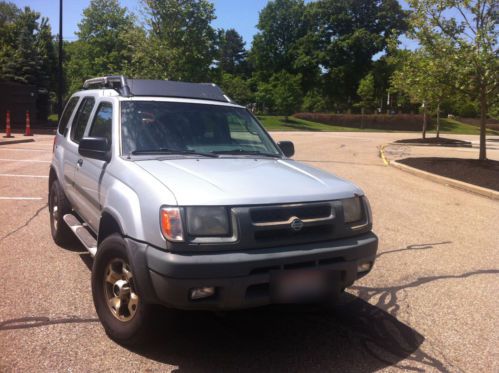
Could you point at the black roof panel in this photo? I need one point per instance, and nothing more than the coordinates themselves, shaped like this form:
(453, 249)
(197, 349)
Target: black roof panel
(169, 88)
(160, 88)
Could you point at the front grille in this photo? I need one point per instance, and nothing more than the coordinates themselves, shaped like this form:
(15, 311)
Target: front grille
(274, 224)
(287, 233)
(283, 213)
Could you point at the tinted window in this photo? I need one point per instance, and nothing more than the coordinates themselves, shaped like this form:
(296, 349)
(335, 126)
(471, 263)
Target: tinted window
(68, 110)
(197, 127)
(103, 120)
(81, 119)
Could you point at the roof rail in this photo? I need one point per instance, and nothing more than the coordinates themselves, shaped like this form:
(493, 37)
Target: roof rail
(117, 82)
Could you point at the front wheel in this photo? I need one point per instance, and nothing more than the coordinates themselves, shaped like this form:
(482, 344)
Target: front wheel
(120, 309)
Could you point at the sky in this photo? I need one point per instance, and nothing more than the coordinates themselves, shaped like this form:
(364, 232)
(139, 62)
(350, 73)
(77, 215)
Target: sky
(241, 15)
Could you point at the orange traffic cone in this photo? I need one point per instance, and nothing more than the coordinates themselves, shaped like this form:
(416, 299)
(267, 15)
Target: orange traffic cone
(28, 125)
(7, 125)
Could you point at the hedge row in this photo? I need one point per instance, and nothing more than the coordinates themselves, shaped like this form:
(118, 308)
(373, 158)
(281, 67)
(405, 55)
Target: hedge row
(395, 122)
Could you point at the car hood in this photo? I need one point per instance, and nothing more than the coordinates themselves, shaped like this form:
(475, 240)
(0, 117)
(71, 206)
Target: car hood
(246, 181)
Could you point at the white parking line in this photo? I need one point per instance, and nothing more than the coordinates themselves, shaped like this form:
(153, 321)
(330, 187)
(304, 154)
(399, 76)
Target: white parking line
(15, 175)
(21, 198)
(23, 160)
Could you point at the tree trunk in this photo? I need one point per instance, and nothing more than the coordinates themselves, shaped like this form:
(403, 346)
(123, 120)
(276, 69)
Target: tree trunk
(424, 122)
(483, 119)
(438, 120)
(362, 119)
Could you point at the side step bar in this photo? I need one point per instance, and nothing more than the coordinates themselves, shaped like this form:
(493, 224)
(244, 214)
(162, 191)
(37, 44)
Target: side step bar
(82, 233)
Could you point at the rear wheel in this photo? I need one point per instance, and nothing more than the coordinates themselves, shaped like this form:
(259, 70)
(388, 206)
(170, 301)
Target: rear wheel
(122, 312)
(58, 207)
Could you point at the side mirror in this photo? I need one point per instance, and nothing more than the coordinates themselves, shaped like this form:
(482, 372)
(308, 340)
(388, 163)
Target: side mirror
(287, 147)
(95, 148)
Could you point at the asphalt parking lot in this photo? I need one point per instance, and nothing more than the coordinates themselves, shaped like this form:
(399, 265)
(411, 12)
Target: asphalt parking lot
(430, 303)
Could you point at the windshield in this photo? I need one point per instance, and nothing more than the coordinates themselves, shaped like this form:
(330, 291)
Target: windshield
(149, 127)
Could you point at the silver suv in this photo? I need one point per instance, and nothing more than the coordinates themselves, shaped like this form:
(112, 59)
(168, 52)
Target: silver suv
(184, 200)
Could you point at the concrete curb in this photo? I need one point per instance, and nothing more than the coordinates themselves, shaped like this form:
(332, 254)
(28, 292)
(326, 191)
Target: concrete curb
(465, 145)
(484, 192)
(382, 154)
(20, 141)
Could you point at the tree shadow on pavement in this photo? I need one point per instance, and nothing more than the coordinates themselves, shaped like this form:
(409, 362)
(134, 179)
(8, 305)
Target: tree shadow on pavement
(356, 336)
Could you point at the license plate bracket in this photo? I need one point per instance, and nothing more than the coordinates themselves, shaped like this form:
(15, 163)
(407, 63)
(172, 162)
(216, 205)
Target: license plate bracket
(301, 285)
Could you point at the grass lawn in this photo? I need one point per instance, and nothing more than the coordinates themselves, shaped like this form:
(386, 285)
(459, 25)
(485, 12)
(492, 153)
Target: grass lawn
(277, 123)
(454, 126)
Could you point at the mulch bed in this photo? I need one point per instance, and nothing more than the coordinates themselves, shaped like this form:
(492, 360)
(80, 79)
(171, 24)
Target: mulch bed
(439, 141)
(481, 173)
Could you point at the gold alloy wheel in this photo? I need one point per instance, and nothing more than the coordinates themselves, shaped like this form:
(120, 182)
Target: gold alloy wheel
(119, 290)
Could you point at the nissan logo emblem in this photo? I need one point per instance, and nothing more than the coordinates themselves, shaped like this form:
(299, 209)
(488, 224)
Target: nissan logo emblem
(296, 225)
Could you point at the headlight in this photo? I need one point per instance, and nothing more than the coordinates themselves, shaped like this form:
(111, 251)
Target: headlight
(352, 209)
(207, 221)
(367, 207)
(171, 223)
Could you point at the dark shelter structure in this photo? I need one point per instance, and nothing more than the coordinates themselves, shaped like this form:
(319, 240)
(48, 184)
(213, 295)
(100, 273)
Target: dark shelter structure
(17, 98)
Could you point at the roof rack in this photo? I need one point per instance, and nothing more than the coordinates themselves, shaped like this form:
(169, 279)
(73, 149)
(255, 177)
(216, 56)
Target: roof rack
(159, 88)
(117, 82)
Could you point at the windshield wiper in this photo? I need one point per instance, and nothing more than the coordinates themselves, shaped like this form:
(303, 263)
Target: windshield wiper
(171, 151)
(247, 152)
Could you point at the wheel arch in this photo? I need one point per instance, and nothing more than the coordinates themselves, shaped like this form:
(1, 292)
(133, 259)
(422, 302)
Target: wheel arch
(108, 225)
(52, 176)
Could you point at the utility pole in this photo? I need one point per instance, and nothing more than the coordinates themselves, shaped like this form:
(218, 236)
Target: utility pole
(60, 75)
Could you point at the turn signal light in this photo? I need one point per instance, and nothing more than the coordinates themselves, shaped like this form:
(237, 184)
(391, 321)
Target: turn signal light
(171, 224)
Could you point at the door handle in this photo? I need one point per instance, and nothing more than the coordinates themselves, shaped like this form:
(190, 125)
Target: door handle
(79, 162)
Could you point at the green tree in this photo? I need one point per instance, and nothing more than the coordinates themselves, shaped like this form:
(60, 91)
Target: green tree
(23, 61)
(231, 52)
(282, 94)
(237, 88)
(182, 38)
(426, 81)
(345, 35)
(9, 13)
(27, 52)
(367, 92)
(47, 73)
(469, 41)
(281, 24)
(101, 48)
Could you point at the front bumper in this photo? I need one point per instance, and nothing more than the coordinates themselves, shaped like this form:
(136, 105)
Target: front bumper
(243, 279)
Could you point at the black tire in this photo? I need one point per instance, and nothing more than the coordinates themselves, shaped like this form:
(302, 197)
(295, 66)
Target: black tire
(131, 332)
(58, 207)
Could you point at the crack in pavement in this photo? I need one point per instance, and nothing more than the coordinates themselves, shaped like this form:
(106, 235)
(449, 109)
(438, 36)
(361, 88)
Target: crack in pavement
(37, 321)
(37, 212)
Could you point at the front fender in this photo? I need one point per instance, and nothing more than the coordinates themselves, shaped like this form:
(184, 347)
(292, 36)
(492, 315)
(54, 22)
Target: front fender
(123, 204)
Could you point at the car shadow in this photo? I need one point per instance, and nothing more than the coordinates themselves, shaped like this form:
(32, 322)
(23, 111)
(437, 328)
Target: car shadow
(361, 334)
(353, 337)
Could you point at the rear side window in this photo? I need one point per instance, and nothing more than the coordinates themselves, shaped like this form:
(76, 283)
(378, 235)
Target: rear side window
(68, 110)
(103, 121)
(81, 119)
